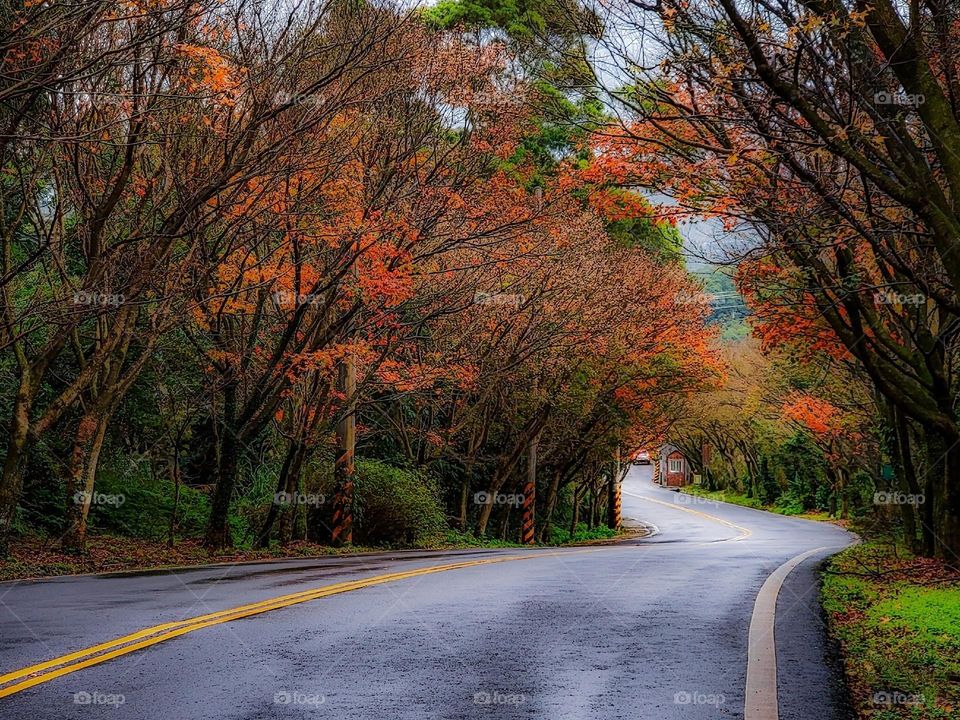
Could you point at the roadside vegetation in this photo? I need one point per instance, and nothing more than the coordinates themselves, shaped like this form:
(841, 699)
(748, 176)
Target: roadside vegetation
(785, 508)
(897, 618)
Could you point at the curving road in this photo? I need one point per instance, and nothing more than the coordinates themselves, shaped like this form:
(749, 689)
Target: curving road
(651, 629)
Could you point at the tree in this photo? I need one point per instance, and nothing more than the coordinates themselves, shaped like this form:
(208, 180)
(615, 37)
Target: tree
(830, 131)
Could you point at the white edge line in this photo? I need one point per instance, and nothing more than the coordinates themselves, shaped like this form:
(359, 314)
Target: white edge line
(760, 696)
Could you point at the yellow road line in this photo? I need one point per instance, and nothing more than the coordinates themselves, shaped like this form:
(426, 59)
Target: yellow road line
(94, 655)
(744, 532)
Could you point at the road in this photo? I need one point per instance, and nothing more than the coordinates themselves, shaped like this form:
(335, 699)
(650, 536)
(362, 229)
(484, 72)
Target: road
(652, 629)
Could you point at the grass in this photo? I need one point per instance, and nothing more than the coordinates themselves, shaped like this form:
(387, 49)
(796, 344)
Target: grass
(752, 502)
(562, 536)
(897, 619)
(454, 540)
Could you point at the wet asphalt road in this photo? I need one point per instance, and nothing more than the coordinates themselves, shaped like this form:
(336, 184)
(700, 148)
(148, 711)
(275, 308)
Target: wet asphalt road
(653, 629)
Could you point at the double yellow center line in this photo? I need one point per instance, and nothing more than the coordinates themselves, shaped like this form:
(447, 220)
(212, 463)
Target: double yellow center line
(18, 680)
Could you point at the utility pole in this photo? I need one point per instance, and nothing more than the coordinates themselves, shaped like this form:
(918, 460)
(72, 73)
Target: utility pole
(613, 493)
(341, 532)
(528, 518)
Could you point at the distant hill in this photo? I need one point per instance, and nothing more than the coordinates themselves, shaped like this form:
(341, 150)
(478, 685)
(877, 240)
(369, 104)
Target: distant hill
(727, 306)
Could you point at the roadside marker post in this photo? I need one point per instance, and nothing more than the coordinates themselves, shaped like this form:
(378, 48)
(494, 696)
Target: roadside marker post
(528, 524)
(528, 520)
(614, 494)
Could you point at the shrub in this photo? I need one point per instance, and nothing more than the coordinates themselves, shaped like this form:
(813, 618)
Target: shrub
(767, 483)
(394, 505)
(822, 498)
(562, 536)
(44, 498)
(147, 506)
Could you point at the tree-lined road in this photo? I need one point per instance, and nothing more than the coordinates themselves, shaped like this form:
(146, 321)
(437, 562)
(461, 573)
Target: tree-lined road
(655, 629)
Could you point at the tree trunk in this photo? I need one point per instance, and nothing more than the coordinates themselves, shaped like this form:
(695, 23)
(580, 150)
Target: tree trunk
(575, 515)
(902, 456)
(592, 512)
(485, 510)
(292, 488)
(344, 469)
(834, 484)
(463, 505)
(842, 492)
(11, 481)
(505, 522)
(175, 479)
(550, 505)
(218, 535)
(82, 472)
(465, 495)
(948, 508)
(928, 520)
(936, 473)
(263, 538)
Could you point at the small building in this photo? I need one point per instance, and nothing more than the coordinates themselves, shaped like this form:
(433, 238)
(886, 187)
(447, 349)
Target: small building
(674, 468)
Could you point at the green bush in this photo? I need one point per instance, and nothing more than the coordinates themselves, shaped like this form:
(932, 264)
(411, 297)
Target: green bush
(859, 492)
(250, 509)
(44, 499)
(788, 504)
(822, 498)
(804, 469)
(395, 506)
(767, 483)
(798, 497)
(146, 507)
